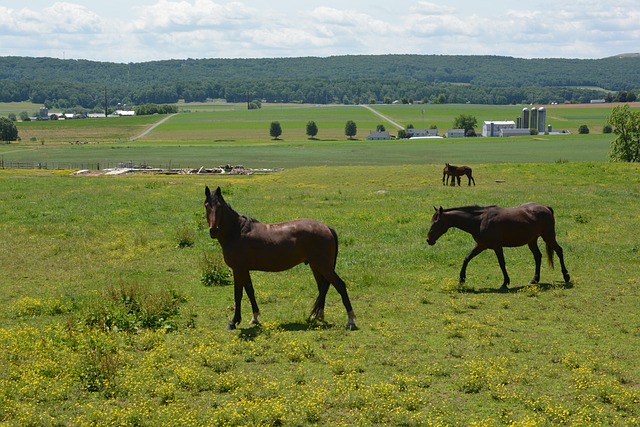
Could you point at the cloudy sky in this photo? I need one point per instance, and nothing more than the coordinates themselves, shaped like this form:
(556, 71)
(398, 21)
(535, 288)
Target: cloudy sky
(145, 30)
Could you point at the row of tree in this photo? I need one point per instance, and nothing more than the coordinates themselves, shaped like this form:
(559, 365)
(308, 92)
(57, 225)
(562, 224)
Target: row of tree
(68, 84)
(350, 129)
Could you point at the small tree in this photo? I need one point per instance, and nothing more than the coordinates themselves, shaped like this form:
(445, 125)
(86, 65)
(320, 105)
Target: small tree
(583, 130)
(8, 130)
(466, 122)
(312, 129)
(380, 128)
(350, 129)
(276, 130)
(626, 125)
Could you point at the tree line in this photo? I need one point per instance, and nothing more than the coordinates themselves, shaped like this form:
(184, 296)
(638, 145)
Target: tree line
(68, 84)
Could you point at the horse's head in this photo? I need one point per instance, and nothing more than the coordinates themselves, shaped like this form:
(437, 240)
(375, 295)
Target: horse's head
(213, 204)
(439, 226)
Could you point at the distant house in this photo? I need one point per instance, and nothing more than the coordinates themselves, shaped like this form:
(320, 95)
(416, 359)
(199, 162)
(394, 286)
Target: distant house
(124, 113)
(514, 132)
(375, 135)
(493, 128)
(411, 132)
(455, 133)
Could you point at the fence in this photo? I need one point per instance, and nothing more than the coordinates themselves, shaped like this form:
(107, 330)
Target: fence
(8, 164)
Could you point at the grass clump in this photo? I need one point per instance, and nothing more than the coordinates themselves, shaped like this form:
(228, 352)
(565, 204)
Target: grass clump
(132, 307)
(214, 270)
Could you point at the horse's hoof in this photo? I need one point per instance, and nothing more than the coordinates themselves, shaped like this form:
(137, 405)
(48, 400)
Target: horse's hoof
(567, 278)
(504, 288)
(351, 327)
(533, 282)
(230, 327)
(254, 322)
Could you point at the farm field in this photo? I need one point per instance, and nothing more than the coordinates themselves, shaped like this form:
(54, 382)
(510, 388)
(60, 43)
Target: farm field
(105, 319)
(217, 134)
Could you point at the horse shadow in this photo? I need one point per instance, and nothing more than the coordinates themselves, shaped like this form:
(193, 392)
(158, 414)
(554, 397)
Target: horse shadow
(544, 287)
(250, 333)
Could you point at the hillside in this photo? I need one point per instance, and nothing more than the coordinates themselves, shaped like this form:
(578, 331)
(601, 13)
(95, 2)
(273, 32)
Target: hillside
(342, 79)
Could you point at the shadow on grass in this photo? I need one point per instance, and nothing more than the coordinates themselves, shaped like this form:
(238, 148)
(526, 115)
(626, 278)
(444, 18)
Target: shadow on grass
(543, 287)
(252, 332)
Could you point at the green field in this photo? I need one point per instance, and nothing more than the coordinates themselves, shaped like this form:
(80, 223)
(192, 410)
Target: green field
(105, 319)
(218, 134)
(79, 254)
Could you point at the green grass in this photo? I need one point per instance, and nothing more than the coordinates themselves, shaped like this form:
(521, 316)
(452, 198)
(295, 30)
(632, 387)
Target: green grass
(77, 252)
(230, 134)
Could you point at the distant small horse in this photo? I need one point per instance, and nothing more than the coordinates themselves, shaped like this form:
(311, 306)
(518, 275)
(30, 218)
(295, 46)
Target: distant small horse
(493, 227)
(456, 172)
(248, 244)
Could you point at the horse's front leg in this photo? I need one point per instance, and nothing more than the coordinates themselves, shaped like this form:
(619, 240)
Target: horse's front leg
(463, 271)
(237, 297)
(500, 254)
(241, 282)
(252, 299)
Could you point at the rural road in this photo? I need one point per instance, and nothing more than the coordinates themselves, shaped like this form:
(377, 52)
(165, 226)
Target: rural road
(399, 126)
(152, 127)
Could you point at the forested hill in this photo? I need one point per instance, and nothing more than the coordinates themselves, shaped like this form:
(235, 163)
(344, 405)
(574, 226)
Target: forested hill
(351, 79)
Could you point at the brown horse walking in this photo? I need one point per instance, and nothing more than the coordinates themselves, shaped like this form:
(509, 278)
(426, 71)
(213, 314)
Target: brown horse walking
(456, 172)
(495, 228)
(248, 244)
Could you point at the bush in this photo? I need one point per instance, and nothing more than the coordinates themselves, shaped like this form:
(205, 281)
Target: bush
(583, 130)
(214, 270)
(131, 307)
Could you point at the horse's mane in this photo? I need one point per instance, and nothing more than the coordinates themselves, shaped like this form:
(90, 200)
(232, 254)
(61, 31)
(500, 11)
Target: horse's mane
(470, 209)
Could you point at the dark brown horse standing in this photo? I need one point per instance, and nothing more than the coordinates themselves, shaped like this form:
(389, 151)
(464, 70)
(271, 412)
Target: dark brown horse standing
(456, 172)
(495, 228)
(248, 244)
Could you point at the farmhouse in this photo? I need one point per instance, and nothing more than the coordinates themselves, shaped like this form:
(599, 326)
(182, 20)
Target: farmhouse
(455, 133)
(412, 133)
(375, 135)
(494, 128)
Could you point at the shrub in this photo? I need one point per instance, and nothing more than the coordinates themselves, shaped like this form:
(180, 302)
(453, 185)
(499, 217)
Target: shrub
(186, 237)
(214, 270)
(131, 307)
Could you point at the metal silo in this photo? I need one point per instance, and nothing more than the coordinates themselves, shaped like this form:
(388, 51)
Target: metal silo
(525, 118)
(533, 124)
(542, 120)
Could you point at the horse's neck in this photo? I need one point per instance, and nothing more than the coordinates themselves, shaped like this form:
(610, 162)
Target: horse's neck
(465, 220)
(231, 224)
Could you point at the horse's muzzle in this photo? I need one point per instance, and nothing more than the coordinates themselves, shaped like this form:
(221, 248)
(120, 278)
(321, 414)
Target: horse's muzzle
(213, 232)
(431, 242)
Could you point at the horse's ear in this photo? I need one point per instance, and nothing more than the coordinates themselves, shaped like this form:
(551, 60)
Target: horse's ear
(219, 193)
(207, 192)
(435, 209)
(440, 210)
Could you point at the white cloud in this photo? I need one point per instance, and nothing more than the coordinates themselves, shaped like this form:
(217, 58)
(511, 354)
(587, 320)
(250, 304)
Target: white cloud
(123, 31)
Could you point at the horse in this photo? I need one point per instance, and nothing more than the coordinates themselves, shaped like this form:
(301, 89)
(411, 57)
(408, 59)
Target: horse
(247, 244)
(493, 227)
(456, 172)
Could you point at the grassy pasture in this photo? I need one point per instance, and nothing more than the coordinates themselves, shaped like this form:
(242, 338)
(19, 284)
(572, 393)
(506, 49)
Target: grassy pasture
(428, 352)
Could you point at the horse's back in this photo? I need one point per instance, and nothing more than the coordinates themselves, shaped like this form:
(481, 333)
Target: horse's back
(280, 246)
(518, 225)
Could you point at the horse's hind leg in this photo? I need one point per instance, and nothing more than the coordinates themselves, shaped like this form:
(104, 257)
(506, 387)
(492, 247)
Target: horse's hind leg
(341, 287)
(537, 256)
(552, 245)
(323, 287)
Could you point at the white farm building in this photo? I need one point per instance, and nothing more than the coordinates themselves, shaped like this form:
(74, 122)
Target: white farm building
(494, 128)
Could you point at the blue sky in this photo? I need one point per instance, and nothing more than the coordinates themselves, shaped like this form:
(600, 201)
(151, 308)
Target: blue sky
(145, 30)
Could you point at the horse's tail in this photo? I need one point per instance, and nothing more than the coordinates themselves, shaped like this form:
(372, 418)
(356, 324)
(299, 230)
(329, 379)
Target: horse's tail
(553, 233)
